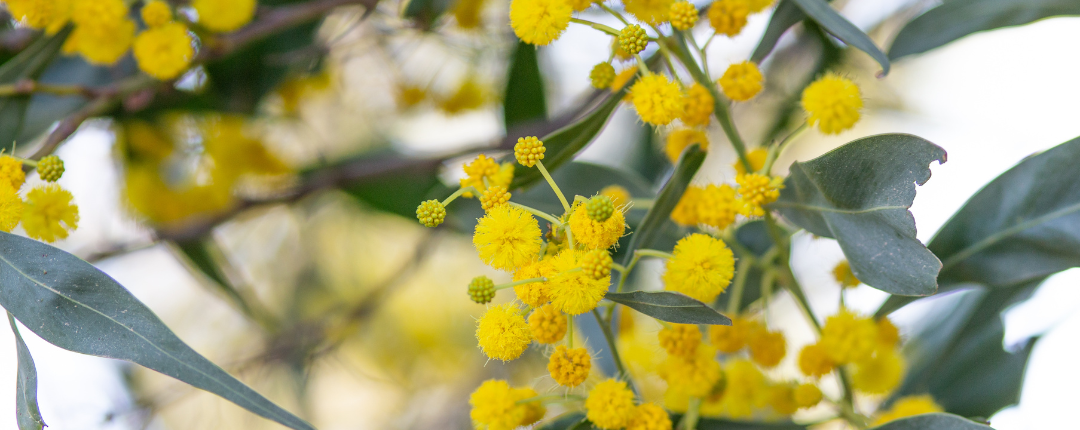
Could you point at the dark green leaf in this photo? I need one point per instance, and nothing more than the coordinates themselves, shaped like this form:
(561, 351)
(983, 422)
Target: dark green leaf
(524, 97)
(823, 14)
(933, 422)
(71, 304)
(859, 194)
(425, 12)
(651, 226)
(670, 307)
(786, 15)
(723, 424)
(45, 109)
(954, 19)
(28, 64)
(26, 406)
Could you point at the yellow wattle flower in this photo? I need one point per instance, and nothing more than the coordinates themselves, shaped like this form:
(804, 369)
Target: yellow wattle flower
(49, 213)
(467, 13)
(742, 81)
(680, 340)
(908, 406)
(507, 238)
(539, 22)
(547, 324)
(745, 389)
(223, 16)
(728, 17)
(695, 375)
(879, 374)
(649, 416)
(610, 405)
(569, 367)
(534, 293)
(619, 196)
(730, 339)
(756, 157)
(698, 106)
(653, 12)
(807, 395)
(495, 406)
(701, 267)
(165, 51)
(844, 276)
(767, 348)
(102, 41)
(757, 190)
(848, 338)
(573, 291)
(832, 103)
(11, 208)
(49, 15)
(593, 234)
(156, 13)
(814, 361)
(717, 206)
(686, 211)
(502, 332)
(683, 15)
(657, 99)
(678, 140)
(11, 171)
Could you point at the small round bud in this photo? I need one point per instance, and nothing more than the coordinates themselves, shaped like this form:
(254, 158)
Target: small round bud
(431, 213)
(482, 289)
(633, 39)
(50, 168)
(597, 264)
(602, 75)
(599, 208)
(683, 15)
(494, 196)
(529, 150)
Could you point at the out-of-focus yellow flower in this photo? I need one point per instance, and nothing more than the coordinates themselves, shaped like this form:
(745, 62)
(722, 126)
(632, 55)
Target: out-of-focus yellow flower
(610, 405)
(165, 51)
(467, 13)
(680, 340)
(683, 15)
(574, 291)
(717, 206)
(759, 5)
(742, 81)
(11, 208)
(539, 22)
(652, 12)
(503, 333)
(49, 15)
(547, 324)
(745, 389)
(470, 95)
(686, 212)
(698, 106)
(11, 172)
(657, 99)
(728, 17)
(696, 375)
(767, 348)
(619, 196)
(235, 149)
(495, 406)
(534, 293)
(49, 213)
(807, 395)
(848, 338)
(407, 96)
(879, 374)
(888, 334)
(757, 190)
(814, 361)
(224, 15)
(844, 276)
(909, 406)
(679, 139)
(649, 416)
(832, 103)
(156, 13)
(782, 399)
(731, 338)
(701, 267)
(102, 41)
(757, 159)
(507, 238)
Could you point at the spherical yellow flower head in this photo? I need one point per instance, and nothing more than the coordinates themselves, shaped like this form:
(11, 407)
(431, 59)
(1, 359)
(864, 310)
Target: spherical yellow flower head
(599, 208)
(547, 324)
(649, 416)
(844, 276)
(633, 39)
(832, 103)
(888, 334)
(481, 290)
(602, 75)
(224, 15)
(507, 238)
(701, 267)
(652, 12)
(494, 196)
(610, 405)
(730, 339)
(807, 395)
(621, 79)
(539, 22)
(782, 399)
(102, 42)
(580, 5)
(11, 171)
(683, 15)
(657, 99)
(680, 339)
(50, 168)
(909, 406)
(597, 264)
(49, 213)
(533, 293)
(431, 213)
(767, 348)
(534, 410)
(728, 17)
(41, 14)
(164, 52)
(759, 5)
(529, 150)
(574, 292)
(156, 13)
(679, 139)
(619, 196)
(757, 159)
(745, 388)
(483, 167)
(698, 106)
(503, 333)
(814, 361)
(494, 406)
(569, 367)
(11, 208)
(593, 234)
(879, 374)
(742, 81)
(685, 212)
(695, 375)
(717, 206)
(470, 95)
(756, 191)
(89, 12)
(848, 338)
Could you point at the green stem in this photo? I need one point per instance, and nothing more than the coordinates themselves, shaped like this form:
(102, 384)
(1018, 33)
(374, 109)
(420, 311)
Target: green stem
(693, 412)
(536, 212)
(704, 58)
(545, 398)
(458, 193)
(652, 253)
(554, 187)
(643, 203)
(641, 65)
(521, 282)
(570, 331)
(614, 13)
(739, 285)
(618, 267)
(597, 26)
(606, 328)
(777, 150)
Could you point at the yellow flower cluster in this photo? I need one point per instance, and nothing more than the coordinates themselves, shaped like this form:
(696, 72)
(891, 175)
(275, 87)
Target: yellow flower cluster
(832, 103)
(701, 267)
(868, 346)
(48, 212)
(497, 406)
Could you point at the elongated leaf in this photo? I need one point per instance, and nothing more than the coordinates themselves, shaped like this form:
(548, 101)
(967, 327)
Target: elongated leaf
(28, 64)
(838, 26)
(859, 194)
(71, 304)
(524, 99)
(786, 15)
(933, 422)
(650, 228)
(670, 307)
(954, 19)
(26, 406)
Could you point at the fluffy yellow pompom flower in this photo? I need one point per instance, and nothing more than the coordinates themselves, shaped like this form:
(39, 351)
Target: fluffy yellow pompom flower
(728, 17)
(685, 212)
(717, 206)
(534, 293)
(731, 338)
(807, 395)
(888, 334)
(593, 234)
(814, 361)
(610, 405)
(49, 213)
(652, 12)
(742, 81)
(495, 406)
(909, 406)
(694, 375)
(679, 139)
(507, 238)
(224, 15)
(757, 190)
(744, 389)
(48, 15)
(619, 196)
(503, 333)
(11, 208)
(547, 324)
(782, 399)
(832, 103)
(482, 167)
(698, 106)
(164, 52)
(757, 159)
(649, 416)
(574, 291)
(879, 374)
(156, 13)
(539, 22)
(767, 348)
(680, 339)
(569, 367)
(848, 338)
(657, 99)
(11, 171)
(102, 41)
(701, 267)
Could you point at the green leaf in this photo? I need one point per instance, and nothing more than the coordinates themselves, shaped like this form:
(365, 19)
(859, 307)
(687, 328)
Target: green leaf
(933, 422)
(26, 406)
(723, 424)
(955, 19)
(859, 194)
(670, 307)
(524, 97)
(823, 14)
(425, 12)
(45, 109)
(28, 64)
(754, 237)
(786, 15)
(73, 305)
(652, 225)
